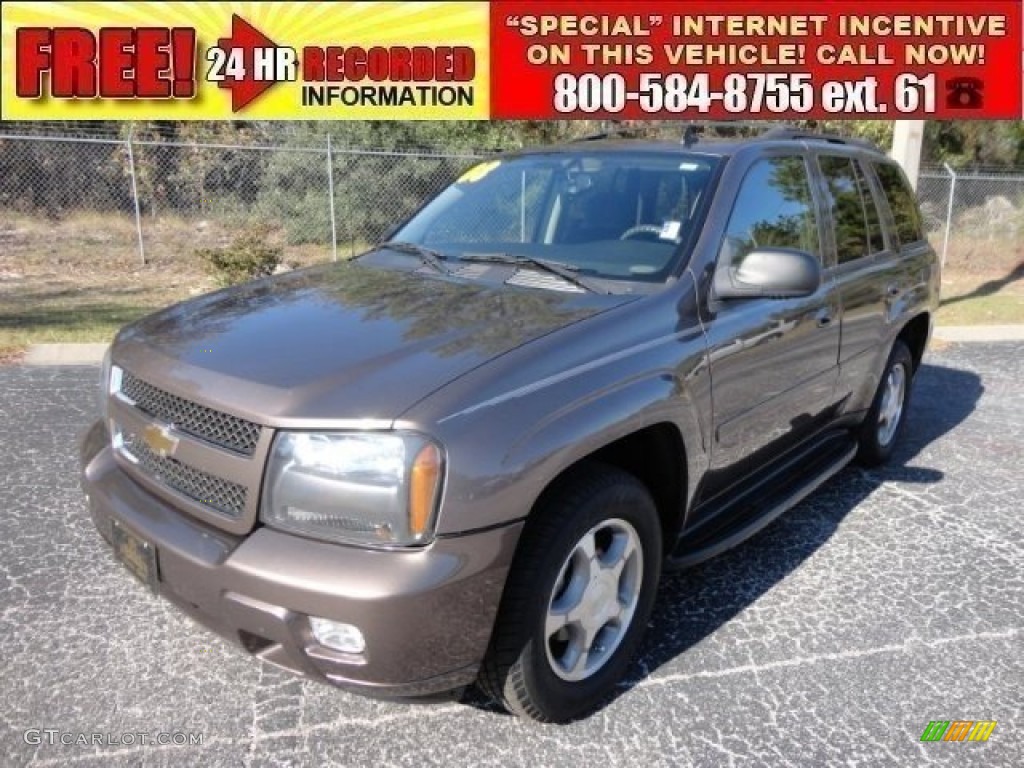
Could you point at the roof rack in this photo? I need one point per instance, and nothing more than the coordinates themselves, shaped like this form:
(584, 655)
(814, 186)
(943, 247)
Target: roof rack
(791, 133)
(597, 136)
(774, 132)
(691, 135)
(628, 129)
(615, 130)
(763, 131)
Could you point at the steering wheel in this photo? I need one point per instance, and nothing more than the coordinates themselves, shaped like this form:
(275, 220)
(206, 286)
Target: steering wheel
(641, 229)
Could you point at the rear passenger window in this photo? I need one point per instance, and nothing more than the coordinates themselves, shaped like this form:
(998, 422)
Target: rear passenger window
(875, 237)
(901, 202)
(773, 209)
(857, 224)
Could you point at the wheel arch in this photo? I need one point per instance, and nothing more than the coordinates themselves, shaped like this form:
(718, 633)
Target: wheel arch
(656, 456)
(915, 334)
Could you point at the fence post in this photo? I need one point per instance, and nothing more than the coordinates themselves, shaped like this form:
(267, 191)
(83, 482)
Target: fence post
(135, 196)
(330, 192)
(349, 232)
(949, 212)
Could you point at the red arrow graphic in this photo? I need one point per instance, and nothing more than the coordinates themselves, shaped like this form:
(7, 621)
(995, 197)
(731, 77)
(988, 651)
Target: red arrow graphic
(244, 37)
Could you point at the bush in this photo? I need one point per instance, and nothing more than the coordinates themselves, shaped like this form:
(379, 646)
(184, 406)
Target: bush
(248, 257)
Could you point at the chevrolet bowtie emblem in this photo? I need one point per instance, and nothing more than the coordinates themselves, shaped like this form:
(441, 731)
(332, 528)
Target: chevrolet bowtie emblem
(160, 440)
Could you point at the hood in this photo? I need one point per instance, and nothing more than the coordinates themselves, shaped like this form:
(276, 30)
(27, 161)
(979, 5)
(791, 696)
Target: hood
(338, 342)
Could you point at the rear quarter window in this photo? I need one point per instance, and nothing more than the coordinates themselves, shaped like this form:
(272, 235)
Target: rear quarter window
(902, 203)
(858, 229)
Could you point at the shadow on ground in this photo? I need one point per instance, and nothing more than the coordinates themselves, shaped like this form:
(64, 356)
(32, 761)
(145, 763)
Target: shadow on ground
(693, 604)
(988, 288)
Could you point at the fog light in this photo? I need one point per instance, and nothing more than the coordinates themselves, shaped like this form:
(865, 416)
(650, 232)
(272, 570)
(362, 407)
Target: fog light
(337, 635)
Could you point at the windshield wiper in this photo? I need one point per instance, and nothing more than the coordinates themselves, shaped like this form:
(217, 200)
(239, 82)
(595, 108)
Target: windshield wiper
(567, 272)
(428, 256)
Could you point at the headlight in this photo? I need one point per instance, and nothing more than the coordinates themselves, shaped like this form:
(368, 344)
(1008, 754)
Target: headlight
(360, 487)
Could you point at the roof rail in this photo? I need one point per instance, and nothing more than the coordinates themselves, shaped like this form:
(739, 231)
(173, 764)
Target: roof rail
(791, 133)
(691, 134)
(766, 131)
(595, 136)
(616, 129)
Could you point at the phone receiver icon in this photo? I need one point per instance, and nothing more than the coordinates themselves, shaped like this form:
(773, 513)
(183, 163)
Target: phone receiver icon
(965, 93)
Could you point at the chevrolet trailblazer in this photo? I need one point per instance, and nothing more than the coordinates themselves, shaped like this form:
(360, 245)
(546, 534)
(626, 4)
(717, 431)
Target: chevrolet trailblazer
(467, 455)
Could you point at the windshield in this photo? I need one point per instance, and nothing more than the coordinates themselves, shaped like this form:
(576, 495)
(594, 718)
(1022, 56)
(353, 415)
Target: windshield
(619, 216)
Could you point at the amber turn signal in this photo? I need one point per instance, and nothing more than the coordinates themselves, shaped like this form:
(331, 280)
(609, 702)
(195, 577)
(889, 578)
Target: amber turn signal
(423, 483)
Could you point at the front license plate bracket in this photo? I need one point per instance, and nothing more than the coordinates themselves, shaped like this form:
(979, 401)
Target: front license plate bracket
(137, 554)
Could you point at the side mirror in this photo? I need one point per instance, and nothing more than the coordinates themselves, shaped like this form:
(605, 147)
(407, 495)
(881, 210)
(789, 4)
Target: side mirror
(775, 273)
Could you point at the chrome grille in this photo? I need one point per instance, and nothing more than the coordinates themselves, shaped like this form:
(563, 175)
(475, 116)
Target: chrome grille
(209, 490)
(220, 429)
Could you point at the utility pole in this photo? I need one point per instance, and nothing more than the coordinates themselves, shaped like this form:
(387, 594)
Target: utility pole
(907, 138)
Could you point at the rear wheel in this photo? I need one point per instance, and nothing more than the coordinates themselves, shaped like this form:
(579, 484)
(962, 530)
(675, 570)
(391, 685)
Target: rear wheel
(578, 597)
(884, 422)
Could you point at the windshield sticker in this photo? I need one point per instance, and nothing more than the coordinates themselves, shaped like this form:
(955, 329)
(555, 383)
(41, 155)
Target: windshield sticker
(477, 172)
(669, 230)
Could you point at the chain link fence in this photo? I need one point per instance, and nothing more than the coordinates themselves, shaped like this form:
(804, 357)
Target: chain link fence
(973, 217)
(160, 200)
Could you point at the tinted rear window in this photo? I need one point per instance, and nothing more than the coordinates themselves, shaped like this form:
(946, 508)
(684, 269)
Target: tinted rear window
(875, 238)
(901, 202)
(858, 233)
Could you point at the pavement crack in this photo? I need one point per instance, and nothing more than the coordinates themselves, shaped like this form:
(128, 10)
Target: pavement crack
(910, 644)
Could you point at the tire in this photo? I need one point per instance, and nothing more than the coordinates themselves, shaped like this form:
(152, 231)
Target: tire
(535, 666)
(888, 414)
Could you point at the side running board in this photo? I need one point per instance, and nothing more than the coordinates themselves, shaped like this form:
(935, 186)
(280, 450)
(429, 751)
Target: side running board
(796, 479)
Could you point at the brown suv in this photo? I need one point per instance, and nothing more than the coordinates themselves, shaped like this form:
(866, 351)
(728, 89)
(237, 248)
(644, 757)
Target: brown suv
(467, 455)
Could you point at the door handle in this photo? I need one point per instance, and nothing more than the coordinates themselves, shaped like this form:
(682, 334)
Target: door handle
(824, 318)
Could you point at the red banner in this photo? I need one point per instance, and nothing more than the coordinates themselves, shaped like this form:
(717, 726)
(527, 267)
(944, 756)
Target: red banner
(937, 59)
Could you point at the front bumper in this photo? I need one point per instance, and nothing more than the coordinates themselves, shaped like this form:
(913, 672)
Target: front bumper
(426, 614)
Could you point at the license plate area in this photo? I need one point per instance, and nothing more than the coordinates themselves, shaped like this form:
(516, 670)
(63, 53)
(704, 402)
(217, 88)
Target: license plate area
(138, 555)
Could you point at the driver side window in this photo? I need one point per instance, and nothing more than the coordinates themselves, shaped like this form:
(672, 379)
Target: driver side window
(774, 208)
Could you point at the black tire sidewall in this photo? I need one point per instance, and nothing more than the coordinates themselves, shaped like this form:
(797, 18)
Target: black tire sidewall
(872, 452)
(559, 699)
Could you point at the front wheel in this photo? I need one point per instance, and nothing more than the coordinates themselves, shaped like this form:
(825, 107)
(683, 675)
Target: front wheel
(885, 419)
(578, 597)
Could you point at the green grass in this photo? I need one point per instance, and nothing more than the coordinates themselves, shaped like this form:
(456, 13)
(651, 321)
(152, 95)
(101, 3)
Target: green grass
(998, 309)
(982, 300)
(47, 324)
(78, 278)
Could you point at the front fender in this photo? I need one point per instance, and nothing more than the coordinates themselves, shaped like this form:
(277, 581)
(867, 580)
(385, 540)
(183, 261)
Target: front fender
(502, 454)
(513, 425)
(576, 431)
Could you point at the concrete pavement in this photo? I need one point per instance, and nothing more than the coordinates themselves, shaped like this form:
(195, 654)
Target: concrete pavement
(890, 598)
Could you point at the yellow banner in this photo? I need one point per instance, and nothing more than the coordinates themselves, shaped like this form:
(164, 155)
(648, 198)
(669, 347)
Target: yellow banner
(259, 61)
